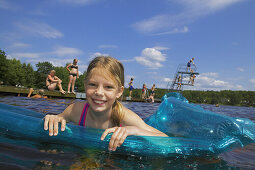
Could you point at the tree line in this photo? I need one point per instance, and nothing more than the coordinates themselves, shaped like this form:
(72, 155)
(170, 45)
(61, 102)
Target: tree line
(13, 72)
(224, 97)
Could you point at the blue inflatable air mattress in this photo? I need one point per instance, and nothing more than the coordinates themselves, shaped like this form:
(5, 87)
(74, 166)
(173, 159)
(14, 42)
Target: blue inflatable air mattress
(192, 131)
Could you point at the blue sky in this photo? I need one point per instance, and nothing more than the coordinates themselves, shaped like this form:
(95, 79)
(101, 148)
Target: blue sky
(150, 37)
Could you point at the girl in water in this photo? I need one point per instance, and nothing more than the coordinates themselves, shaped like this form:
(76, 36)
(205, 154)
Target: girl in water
(73, 74)
(104, 85)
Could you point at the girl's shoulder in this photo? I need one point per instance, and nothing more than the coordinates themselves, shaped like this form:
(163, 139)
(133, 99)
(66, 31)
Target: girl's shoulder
(77, 107)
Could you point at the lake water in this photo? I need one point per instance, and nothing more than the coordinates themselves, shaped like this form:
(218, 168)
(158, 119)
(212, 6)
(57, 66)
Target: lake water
(50, 156)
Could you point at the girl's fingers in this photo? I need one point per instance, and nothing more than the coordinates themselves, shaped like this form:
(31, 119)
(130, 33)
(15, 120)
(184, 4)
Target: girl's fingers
(63, 124)
(46, 122)
(51, 124)
(51, 120)
(115, 139)
(110, 130)
(124, 136)
(56, 126)
(119, 137)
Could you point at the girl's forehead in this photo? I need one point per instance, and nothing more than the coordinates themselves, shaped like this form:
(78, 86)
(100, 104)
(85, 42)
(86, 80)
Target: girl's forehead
(102, 72)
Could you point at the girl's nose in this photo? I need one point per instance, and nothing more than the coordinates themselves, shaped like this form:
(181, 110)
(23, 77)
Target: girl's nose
(99, 91)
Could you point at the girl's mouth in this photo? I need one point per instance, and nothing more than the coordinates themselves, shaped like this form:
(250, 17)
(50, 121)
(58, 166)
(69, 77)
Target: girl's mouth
(99, 102)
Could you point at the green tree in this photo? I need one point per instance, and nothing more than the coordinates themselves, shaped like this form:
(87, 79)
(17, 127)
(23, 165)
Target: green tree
(80, 82)
(30, 75)
(63, 74)
(3, 66)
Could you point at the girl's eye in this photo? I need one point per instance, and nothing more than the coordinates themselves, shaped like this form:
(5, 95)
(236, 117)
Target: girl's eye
(92, 84)
(109, 87)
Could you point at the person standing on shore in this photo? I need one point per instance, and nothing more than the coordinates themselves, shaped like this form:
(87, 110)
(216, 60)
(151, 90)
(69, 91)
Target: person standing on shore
(131, 87)
(73, 74)
(144, 92)
(152, 95)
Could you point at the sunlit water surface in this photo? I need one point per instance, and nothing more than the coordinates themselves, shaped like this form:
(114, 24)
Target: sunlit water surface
(49, 156)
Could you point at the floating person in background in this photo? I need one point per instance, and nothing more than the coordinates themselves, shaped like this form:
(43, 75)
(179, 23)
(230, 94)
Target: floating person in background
(131, 87)
(189, 64)
(52, 81)
(144, 92)
(40, 95)
(73, 74)
(104, 85)
(192, 78)
(179, 82)
(152, 95)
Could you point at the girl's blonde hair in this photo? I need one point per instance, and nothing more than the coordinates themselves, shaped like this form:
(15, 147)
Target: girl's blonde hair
(116, 69)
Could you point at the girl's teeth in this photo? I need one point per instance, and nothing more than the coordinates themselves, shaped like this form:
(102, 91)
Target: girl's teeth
(98, 102)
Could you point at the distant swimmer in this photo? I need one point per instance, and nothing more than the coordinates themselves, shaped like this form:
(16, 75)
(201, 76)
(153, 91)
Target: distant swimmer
(189, 63)
(40, 95)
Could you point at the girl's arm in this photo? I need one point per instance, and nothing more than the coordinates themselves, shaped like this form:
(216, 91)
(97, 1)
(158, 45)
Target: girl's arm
(139, 126)
(52, 80)
(132, 125)
(67, 67)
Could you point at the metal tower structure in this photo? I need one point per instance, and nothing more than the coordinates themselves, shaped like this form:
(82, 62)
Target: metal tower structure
(183, 77)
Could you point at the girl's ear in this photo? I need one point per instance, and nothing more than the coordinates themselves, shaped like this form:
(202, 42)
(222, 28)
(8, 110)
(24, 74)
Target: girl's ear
(120, 92)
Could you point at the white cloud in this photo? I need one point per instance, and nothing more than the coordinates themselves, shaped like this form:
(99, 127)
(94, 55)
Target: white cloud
(20, 45)
(151, 58)
(97, 54)
(82, 68)
(209, 81)
(66, 51)
(107, 46)
(25, 55)
(192, 10)
(240, 69)
(145, 61)
(166, 79)
(39, 29)
(160, 48)
(210, 74)
(252, 81)
(59, 51)
(78, 2)
(175, 31)
(8, 5)
(127, 60)
(153, 54)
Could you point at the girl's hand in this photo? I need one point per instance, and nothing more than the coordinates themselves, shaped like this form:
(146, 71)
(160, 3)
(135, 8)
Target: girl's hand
(118, 137)
(51, 123)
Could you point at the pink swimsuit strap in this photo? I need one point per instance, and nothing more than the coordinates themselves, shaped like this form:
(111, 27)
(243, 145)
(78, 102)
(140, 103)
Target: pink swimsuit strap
(84, 114)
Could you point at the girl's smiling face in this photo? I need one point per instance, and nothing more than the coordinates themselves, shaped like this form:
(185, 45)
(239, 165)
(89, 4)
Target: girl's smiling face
(102, 90)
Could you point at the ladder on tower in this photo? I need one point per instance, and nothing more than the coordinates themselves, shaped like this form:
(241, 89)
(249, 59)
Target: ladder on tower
(177, 84)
